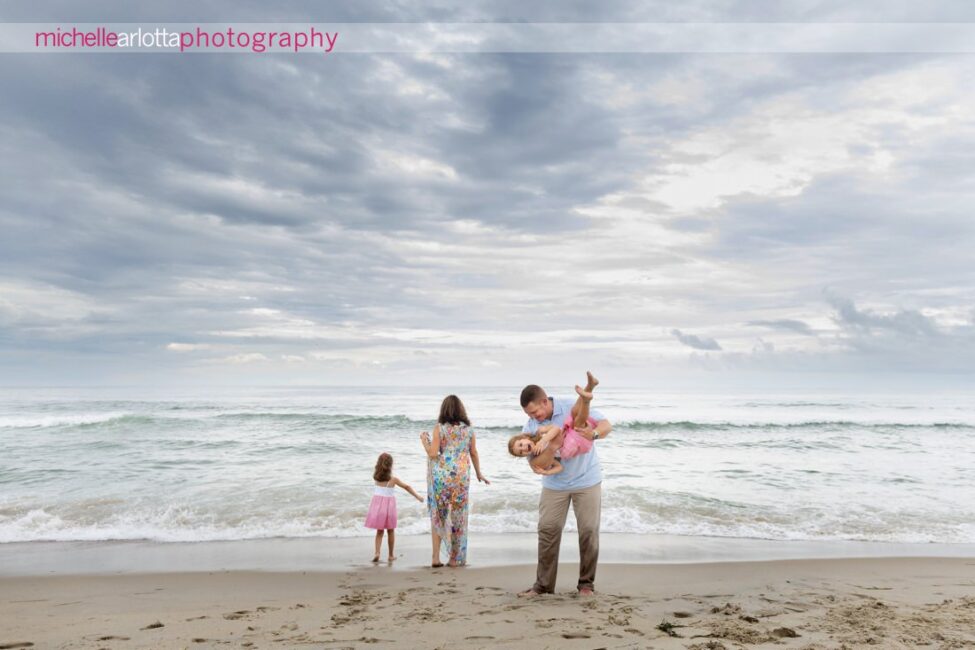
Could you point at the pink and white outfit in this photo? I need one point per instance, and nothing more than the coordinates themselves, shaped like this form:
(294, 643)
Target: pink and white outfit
(574, 443)
(382, 509)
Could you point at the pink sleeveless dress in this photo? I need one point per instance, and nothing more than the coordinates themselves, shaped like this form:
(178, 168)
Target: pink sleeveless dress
(382, 509)
(573, 442)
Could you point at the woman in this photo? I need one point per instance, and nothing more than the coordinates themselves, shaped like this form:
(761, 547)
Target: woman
(450, 454)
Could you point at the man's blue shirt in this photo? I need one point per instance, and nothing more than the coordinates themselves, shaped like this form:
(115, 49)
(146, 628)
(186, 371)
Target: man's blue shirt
(580, 472)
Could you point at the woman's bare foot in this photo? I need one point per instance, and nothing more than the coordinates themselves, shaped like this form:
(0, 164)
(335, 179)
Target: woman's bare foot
(375, 560)
(584, 394)
(391, 558)
(592, 382)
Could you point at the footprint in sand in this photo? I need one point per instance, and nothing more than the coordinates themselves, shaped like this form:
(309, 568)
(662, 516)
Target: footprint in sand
(152, 626)
(234, 616)
(16, 644)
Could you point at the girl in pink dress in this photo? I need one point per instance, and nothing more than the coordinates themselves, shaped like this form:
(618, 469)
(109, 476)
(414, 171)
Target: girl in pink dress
(382, 509)
(563, 439)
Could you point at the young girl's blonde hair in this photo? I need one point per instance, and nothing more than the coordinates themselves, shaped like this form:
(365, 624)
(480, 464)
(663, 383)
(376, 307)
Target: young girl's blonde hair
(515, 438)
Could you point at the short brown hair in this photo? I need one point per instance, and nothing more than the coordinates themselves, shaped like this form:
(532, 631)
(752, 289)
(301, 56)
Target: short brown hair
(452, 411)
(384, 468)
(531, 393)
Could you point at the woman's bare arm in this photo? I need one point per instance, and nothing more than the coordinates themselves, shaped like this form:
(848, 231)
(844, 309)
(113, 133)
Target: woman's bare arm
(432, 447)
(476, 461)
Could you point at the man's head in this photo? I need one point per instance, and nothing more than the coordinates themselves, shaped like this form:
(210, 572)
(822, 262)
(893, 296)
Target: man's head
(536, 403)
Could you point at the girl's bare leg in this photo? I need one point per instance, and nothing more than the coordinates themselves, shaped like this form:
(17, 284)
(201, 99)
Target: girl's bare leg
(379, 544)
(392, 543)
(580, 410)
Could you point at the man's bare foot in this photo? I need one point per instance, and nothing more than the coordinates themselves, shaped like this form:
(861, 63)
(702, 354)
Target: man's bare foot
(528, 593)
(592, 382)
(584, 394)
(586, 592)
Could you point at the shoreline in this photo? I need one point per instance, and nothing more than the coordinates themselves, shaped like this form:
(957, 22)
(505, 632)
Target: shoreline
(46, 558)
(809, 604)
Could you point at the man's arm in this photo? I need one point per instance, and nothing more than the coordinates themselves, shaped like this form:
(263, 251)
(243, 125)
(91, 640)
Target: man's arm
(600, 431)
(554, 469)
(544, 459)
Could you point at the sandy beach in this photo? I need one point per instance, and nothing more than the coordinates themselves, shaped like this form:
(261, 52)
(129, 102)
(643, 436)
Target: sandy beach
(831, 603)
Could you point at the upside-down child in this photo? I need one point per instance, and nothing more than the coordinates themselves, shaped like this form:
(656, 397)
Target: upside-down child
(572, 438)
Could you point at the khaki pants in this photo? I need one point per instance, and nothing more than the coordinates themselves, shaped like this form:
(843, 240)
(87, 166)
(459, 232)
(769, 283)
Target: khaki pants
(553, 508)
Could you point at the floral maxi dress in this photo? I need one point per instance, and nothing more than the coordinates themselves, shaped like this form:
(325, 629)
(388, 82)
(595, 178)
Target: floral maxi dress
(448, 489)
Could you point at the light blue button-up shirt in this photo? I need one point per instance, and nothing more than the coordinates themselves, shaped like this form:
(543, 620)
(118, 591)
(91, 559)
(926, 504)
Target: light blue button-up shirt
(580, 472)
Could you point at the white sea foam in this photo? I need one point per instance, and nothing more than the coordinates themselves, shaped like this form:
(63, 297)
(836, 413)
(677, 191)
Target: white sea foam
(28, 421)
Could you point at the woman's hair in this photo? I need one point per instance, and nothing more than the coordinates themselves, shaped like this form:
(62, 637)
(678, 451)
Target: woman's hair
(515, 438)
(384, 468)
(452, 411)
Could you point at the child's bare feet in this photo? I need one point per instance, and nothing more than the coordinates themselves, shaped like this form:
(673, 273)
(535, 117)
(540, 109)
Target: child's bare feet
(584, 394)
(592, 381)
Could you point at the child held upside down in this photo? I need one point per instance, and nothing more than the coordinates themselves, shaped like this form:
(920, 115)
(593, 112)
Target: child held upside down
(572, 438)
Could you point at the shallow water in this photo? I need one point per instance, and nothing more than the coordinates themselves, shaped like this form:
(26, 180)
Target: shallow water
(111, 464)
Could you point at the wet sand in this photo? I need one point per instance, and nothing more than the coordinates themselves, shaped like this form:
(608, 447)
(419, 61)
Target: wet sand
(826, 603)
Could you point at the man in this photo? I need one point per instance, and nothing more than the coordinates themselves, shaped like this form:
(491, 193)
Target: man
(579, 484)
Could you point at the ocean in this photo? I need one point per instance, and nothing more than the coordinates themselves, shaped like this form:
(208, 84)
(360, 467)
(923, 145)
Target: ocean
(259, 463)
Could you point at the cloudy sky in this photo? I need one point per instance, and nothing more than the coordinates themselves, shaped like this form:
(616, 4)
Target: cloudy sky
(668, 219)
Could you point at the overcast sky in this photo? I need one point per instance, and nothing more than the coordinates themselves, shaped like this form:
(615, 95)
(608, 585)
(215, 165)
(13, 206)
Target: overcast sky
(487, 218)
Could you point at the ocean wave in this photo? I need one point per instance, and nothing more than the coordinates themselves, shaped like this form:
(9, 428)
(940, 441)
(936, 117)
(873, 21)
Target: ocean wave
(349, 421)
(63, 420)
(43, 421)
(687, 425)
(670, 515)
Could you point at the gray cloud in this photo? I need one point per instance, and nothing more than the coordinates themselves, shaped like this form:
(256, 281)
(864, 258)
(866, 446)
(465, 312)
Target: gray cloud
(785, 324)
(375, 208)
(500, 10)
(907, 322)
(696, 342)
